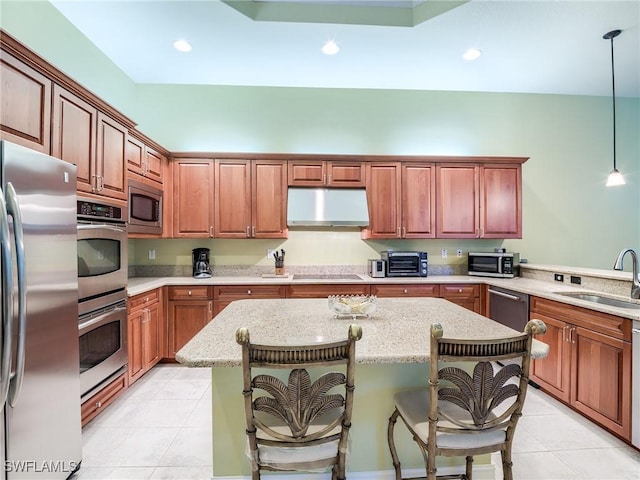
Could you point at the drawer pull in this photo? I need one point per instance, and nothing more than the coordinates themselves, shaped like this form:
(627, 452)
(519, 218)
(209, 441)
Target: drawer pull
(248, 292)
(98, 404)
(459, 290)
(146, 299)
(405, 291)
(189, 293)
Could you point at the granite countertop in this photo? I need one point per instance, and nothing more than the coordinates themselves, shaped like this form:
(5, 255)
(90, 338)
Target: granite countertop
(397, 332)
(544, 289)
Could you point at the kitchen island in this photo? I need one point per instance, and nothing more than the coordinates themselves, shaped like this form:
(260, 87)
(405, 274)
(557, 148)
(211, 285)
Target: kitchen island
(391, 356)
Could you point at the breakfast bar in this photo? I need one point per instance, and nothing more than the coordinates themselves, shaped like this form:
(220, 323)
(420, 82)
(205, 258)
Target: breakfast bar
(391, 356)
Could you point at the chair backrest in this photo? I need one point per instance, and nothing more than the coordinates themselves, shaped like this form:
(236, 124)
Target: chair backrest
(489, 384)
(301, 412)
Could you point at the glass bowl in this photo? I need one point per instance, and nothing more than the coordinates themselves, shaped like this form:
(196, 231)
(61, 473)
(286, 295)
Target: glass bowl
(352, 306)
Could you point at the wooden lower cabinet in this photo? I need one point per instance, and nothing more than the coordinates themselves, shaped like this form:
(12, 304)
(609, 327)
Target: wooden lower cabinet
(326, 289)
(97, 403)
(589, 362)
(190, 308)
(467, 296)
(225, 294)
(406, 290)
(145, 333)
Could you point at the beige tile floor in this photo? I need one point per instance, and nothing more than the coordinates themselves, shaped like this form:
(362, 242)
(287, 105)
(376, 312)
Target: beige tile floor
(159, 429)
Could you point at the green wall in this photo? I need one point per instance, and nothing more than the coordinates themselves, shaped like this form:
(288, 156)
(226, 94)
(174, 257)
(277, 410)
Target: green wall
(570, 217)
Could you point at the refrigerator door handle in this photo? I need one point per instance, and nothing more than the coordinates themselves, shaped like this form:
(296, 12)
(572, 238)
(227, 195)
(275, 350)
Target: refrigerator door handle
(7, 303)
(13, 209)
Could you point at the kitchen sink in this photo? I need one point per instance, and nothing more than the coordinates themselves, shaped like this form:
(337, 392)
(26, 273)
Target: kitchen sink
(594, 297)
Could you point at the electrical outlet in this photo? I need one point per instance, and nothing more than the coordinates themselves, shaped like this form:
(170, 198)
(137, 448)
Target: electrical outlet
(444, 253)
(558, 277)
(270, 252)
(152, 254)
(576, 280)
(458, 253)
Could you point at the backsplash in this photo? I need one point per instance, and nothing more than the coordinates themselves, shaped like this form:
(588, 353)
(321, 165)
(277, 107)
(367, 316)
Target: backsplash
(258, 270)
(613, 282)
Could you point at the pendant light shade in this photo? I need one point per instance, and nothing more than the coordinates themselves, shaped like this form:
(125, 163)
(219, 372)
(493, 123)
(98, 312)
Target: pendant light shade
(615, 177)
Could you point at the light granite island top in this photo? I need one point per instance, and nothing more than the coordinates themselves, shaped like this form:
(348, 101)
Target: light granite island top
(397, 332)
(391, 356)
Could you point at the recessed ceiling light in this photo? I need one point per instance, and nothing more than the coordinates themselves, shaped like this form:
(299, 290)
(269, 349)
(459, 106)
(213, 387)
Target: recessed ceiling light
(182, 45)
(472, 54)
(330, 48)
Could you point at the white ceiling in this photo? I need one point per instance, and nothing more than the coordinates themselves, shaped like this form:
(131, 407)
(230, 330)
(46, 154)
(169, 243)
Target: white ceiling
(530, 46)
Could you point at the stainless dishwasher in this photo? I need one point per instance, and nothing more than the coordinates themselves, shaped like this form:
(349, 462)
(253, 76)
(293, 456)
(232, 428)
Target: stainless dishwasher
(508, 307)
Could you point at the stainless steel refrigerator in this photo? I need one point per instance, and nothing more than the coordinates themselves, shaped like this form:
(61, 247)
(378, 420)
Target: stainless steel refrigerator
(39, 359)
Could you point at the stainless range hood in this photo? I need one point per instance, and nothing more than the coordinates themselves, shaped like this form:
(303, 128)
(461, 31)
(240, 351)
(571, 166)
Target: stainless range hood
(327, 207)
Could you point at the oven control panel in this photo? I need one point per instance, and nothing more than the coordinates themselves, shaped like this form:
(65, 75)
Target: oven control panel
(90, 209)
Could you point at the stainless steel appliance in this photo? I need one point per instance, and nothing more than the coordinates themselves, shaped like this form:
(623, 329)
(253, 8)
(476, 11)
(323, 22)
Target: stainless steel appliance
(145, 208)
(405, 264)
(102, 253)
(494, 264)
(508, 307)
(102, 283)
(201, 265)
(635, 385)
(39, 381)
(377, 268)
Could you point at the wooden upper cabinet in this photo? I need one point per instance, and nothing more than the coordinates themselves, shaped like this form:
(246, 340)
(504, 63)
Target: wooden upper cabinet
(144, 160)
(135, 155)
(326, 174)
(74, 135)
(479, 201)
(383, 198)
(193, 198)
(501, 212)
(111, 178)
(250, 199)
(401, 199)
(458, 210)
(418, 201)
(269, 199)
(25, 105)
(232, 199)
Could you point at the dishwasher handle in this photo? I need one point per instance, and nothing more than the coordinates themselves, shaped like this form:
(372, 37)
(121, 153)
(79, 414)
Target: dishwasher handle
(515, 298)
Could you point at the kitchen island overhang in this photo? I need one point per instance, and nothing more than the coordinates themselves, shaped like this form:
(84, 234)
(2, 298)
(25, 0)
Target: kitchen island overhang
(391, 356)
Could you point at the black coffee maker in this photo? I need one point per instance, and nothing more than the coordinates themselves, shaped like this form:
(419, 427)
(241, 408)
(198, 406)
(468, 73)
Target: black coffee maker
(201, 266)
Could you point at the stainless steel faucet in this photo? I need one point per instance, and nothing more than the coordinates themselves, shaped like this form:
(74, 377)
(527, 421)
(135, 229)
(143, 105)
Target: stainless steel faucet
(635, 286)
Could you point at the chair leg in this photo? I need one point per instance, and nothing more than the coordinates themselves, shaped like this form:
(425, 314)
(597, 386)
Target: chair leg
(469, 470)
(392, 447)
(507, 463)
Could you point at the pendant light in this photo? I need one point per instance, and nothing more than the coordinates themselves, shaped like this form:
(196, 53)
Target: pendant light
(615, 177)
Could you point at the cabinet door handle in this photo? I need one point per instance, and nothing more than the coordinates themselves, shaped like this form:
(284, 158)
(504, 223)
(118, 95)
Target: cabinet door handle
(210, 306)
(404, 231)
(101, 178)
(329, 182)
(253, 231)
(324, 178)
(94, 183)
(572, 335)
(248, 231)
(564, 334)
(399, 233)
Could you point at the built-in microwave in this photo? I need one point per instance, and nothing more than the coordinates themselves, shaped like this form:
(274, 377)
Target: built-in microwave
(145, 208)
(494, 264)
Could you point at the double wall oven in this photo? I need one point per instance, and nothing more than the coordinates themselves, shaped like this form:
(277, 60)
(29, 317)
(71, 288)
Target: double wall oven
(102, 282)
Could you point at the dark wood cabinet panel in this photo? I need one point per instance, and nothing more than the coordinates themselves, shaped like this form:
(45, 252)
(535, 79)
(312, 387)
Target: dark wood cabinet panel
(74, 131)
(193, 197)
(589, 362)
(25, 105)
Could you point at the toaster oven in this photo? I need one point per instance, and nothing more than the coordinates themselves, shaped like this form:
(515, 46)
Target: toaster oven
(405, 264)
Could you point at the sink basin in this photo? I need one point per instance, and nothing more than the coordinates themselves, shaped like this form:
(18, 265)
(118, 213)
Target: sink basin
(594, 297)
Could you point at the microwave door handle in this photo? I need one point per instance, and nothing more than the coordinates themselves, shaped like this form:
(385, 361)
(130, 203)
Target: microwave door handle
(7, 303)
(13, 209)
